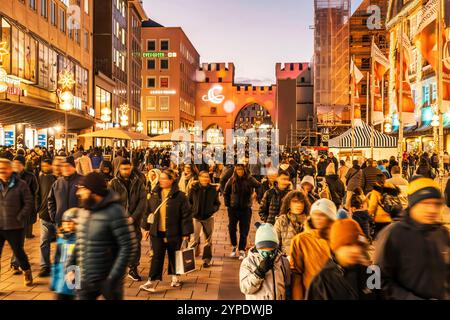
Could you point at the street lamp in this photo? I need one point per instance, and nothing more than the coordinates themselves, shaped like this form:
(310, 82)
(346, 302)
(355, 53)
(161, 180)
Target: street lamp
(124, 114)
(66, 83)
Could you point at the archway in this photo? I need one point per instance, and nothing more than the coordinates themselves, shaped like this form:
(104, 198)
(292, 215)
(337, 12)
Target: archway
(253, 116)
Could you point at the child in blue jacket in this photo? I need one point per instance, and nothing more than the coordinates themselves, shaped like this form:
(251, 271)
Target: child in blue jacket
(64, 248)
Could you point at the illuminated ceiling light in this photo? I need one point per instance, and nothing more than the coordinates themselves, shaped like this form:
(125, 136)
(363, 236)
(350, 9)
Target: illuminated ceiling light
(66, 79)
(213, 97)
(57, 128)
(106, 111)
(67, 96)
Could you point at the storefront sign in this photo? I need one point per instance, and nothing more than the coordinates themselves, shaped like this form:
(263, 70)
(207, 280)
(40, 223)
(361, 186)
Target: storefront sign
(159, 55)
(9, 138)
(156, 92)
(213, 95)
(42, 140)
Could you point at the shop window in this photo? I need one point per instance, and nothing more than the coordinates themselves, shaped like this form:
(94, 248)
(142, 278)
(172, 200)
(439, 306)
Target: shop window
(150, 103)
(164, 103)
(157, 127)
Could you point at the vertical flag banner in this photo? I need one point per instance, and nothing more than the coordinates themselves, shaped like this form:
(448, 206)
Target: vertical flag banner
(380, 67)
(408, 107)
(356, 77)
(426, 41)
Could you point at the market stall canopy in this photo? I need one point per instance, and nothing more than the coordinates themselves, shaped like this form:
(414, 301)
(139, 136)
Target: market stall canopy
(116, 133)
(176, 136)
(362, 138)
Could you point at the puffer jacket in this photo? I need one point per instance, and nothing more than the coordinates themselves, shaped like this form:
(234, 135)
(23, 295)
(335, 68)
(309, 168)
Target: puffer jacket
(376, 210)
(134, 202)
(309, 253)
(272, 287)
(337, 283)
(63, 196)
(265, 186)
(271, 204)
(202, 210)
(16, 204)
(286, 230)
(238, 195)
(369, 178)
(105, 243)
(33, 184)
(414, 260)
(178, 213)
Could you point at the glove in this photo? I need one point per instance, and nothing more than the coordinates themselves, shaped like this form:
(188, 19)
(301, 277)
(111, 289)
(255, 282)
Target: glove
(264, 266)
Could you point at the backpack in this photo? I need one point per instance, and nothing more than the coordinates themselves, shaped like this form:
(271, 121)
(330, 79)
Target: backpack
(391, 204)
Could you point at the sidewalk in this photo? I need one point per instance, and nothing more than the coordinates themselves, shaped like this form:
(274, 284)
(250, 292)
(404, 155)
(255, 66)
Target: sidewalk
(219, 282)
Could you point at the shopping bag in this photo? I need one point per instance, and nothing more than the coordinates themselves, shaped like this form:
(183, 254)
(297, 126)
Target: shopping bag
(184, 259)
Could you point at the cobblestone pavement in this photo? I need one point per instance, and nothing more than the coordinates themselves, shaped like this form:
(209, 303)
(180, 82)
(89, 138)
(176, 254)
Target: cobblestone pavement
(220, 281)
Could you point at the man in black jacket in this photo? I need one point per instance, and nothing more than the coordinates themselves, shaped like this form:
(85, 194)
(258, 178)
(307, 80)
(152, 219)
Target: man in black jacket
(48, 230)
(369, 176)
(204, 200)
(63, 193)
(18, 165)
(105, 243)
(134, 199)
(16, 204)
(413, 254)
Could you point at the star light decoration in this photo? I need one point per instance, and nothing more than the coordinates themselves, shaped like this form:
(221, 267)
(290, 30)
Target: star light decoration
(3, 50)
(66, 79)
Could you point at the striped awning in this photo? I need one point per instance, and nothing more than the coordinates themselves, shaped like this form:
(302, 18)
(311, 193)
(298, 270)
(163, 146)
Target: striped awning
(362, 138)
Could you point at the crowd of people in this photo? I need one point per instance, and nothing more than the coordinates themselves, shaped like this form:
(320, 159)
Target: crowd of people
(323, 222)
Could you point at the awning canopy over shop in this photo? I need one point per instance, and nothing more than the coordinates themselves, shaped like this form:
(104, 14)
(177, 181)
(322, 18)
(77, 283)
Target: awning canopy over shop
(40, 117)
(116, 133)
(363, 138)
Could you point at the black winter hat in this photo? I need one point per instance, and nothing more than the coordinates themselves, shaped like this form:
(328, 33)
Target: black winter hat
(20, 158)
(95, 183)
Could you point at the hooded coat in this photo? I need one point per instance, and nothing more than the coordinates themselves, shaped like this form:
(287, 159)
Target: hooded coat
(272, 287)
(271, 204)
(238, 191)
(376, 210)
(414, 260)
(309, 253)
(63, 196)
(287, 228)
(336, 187)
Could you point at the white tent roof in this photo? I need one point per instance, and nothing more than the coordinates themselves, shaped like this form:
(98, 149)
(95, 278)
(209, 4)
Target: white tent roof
(362, 138)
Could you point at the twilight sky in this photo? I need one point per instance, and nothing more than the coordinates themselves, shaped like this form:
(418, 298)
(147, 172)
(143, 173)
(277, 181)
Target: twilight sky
(254, 34)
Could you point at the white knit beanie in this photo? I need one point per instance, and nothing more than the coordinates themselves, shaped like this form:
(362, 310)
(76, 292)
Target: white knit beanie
(325, 206)
(308, 179)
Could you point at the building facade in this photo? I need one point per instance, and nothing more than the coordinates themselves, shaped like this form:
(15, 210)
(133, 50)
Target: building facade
(170, 62)
(41, 39)
(366, 24)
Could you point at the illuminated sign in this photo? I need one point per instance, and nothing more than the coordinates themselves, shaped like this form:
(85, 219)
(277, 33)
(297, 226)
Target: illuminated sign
(213, 96)
(159, 54)
(163, 92)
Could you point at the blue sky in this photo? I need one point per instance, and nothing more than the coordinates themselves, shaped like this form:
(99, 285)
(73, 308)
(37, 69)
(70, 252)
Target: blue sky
(254, 34)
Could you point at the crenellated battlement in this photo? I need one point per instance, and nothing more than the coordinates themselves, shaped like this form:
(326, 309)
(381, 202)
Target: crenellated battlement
(217, 72)
(291, 70)
(247, 88)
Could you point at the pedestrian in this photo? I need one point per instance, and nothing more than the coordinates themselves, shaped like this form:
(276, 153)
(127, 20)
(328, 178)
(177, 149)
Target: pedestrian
(169, 222)
(84, 164)
(264, 274)
(353, 179)
(332, 159)
(369, 176)
(57, 166)
(32, 183)
(293, 214)
(63, 192)
(310, 249)
(106, 170)
(424, 169)
(16, 205)
(272, 199)
(204, 201)
(187, 178)
(267, 183)
(345, 275)
(342, 172)
(446, 162)
(307, 186)
(133, 198)
(360, 214)
(238, 200)
(384, 203)
(382, 168)
(96, 159)
(105, 243)
(65, 245)
(48, 230)
(322, 166)
(335, 185)
(153, 179)
(117, 161)
(307, 169)
(413, 254)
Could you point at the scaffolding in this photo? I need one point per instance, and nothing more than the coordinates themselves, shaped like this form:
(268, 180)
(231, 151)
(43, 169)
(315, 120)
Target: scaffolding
(332, 61)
